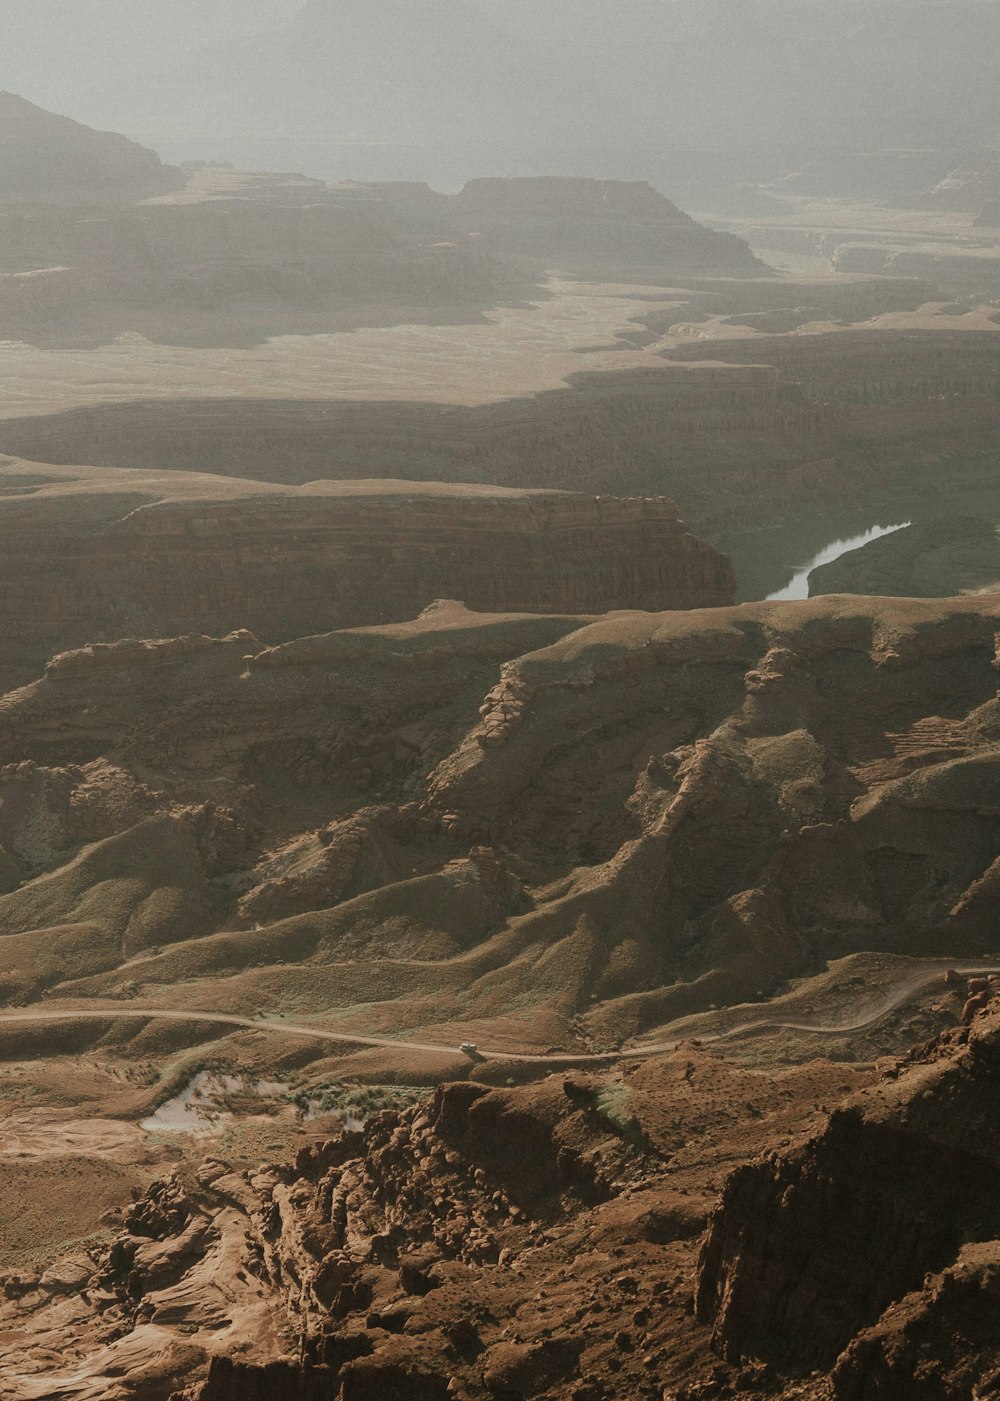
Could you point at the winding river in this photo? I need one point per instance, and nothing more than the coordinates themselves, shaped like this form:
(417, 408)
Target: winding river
(798, 586)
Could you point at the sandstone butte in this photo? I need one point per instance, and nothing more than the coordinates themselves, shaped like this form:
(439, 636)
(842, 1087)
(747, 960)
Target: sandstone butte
(540, 833)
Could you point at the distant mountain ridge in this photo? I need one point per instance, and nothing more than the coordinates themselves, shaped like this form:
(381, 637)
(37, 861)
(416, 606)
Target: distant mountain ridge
(52, 158)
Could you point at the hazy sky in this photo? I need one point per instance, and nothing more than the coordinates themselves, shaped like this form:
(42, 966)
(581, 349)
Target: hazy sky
(287, 82)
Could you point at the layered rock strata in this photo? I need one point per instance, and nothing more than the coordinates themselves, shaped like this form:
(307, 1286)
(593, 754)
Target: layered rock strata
(605, 824)
(91, 557)
(565, 1241)
(818, 434)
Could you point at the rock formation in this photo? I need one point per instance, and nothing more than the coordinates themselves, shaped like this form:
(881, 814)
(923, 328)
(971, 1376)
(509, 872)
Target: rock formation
(817, 433)
(538, 833)
(579, 223)
(233, 259)
(93, 557)
(550, 1240)
(487, 1243)
(231, 269)
(612, 825)
(870, 1249)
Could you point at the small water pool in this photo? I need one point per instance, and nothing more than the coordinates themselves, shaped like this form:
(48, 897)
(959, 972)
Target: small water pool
(201, 1106)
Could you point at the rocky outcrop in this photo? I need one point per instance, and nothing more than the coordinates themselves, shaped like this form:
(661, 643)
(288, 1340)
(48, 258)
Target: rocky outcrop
(876, 1237)
(46, 159)
(86, 562)
(542, 1241)
(484, 1244)
(546, 835)
(610, 823)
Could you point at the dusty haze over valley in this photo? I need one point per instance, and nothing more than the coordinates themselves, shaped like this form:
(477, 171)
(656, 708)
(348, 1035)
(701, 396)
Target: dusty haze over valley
(499, 715)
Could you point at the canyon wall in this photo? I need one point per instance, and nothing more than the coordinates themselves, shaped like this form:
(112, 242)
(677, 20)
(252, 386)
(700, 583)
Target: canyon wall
(936, 558)
(92, 557)
(876, 1238)
(589, 223)
(814, 426)
(228, 272)
(628, 432)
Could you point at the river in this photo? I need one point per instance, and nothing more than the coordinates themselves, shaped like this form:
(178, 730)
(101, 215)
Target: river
(798, 586)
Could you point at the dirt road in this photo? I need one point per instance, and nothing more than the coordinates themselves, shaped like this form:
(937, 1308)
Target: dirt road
(901, 993)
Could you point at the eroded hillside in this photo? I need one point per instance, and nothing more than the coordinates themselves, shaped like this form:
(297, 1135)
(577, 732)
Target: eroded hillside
(533, 829)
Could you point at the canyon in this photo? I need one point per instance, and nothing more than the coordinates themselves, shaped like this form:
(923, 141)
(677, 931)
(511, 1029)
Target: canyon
(771, 445)
(99, 239)
(565, 836)
(460, 940)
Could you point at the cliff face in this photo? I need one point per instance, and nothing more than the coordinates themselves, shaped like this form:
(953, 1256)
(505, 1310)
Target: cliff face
(229, 271)
(827, 432)
(875, 1236)
(636, 428)
(86, 562)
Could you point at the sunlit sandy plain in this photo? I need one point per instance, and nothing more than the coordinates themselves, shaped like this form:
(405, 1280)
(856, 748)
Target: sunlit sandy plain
(513, 351)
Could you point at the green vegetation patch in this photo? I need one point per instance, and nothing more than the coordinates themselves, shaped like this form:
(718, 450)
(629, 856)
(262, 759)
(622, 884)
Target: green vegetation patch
(355, 1101)
(613, 1105)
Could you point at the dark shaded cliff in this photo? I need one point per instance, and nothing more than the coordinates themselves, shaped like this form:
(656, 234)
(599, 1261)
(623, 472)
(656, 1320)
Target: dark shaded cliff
(875, 1236)
(936, 558)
